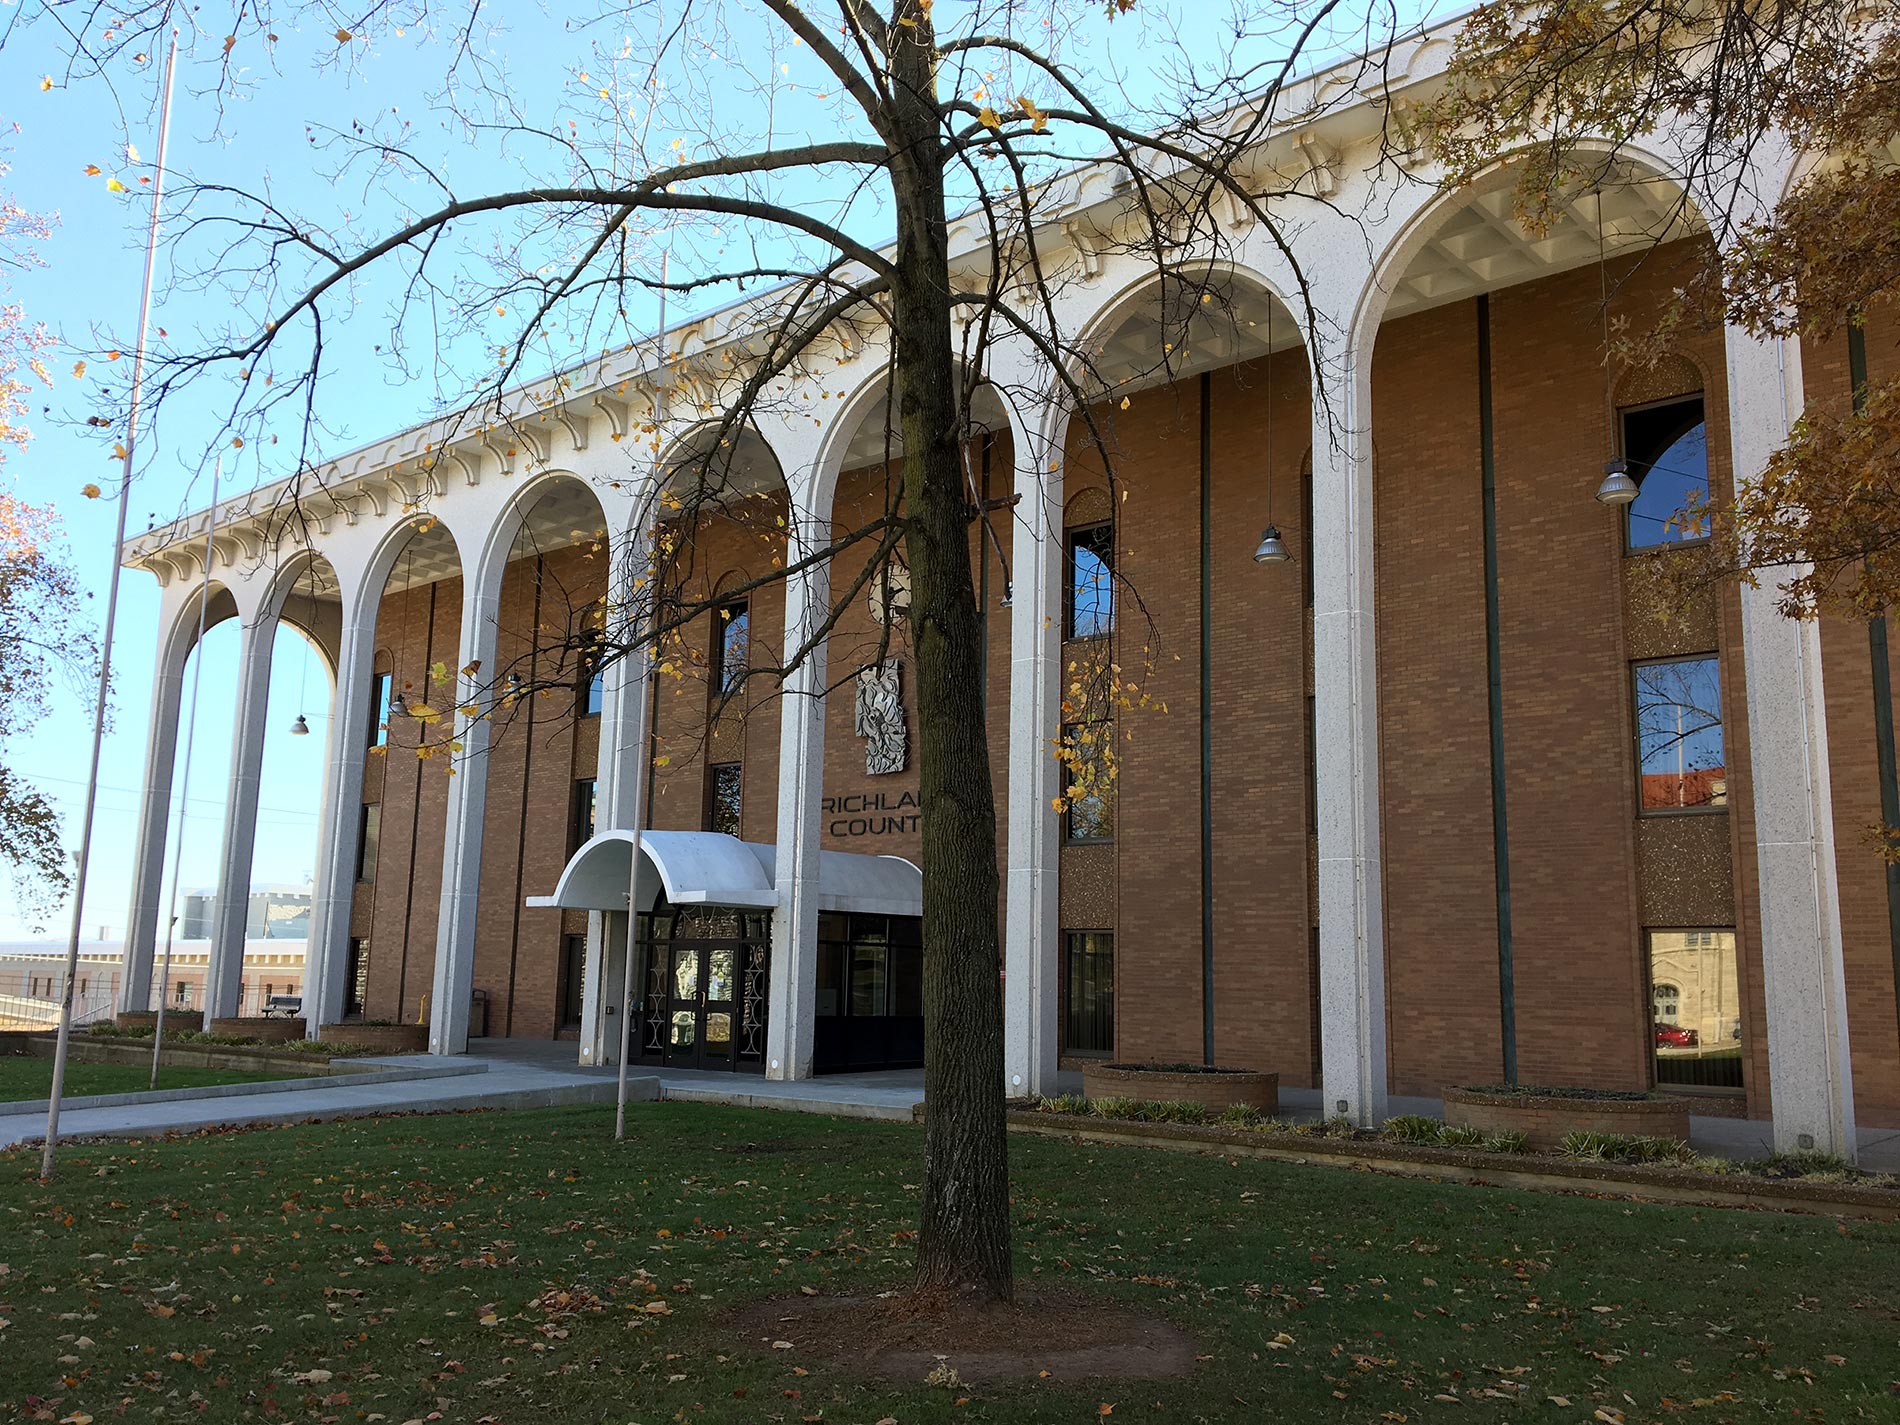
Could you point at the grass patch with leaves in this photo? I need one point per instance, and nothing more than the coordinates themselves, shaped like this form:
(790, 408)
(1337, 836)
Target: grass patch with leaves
(518, 1267)
(24, 1078)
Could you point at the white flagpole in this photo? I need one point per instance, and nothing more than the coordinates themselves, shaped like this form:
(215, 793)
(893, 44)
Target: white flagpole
(105, 651)
(639, 786)
(184, 790)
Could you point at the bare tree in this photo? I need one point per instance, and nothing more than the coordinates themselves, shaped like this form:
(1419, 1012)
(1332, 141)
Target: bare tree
(667, 144)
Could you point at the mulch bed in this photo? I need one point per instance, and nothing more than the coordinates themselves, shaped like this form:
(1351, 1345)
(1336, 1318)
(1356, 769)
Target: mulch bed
(1046, 1335)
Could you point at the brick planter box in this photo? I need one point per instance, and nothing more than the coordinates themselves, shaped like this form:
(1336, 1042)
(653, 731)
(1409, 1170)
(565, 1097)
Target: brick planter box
(382, 1038)
(143, 1018)
(1545, 1118)
(1215, 1089)
(265, 1030)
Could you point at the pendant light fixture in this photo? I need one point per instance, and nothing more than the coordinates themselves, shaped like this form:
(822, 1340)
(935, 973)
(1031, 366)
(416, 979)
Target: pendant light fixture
(399, 705)
(1271, 549)
(1616, 489)
(301, 728)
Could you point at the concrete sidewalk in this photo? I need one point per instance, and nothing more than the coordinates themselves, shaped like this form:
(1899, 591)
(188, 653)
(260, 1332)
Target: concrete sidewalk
(434, 1085)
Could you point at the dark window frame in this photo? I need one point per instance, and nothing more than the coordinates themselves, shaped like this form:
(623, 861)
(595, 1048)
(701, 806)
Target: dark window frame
(1074, 538)
(1623, 413)
(1692, 940)
(723, 678)
(571, 988)
(381, 687)
(356, 977)
(1071, 937)
(709, 818)
(369, 842)
(1108, 799)
(1710, 808)
(590, 688)
(583, 816)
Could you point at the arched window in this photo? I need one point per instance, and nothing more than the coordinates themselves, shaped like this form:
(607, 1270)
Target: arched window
(1667, 447)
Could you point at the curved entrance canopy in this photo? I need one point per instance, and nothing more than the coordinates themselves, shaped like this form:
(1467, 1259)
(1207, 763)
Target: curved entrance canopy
(712, 868)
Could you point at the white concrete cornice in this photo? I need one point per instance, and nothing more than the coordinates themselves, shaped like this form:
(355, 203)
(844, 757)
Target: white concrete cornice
(541, 422)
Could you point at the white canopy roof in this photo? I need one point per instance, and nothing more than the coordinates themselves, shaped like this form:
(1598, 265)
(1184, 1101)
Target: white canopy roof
(711, 868)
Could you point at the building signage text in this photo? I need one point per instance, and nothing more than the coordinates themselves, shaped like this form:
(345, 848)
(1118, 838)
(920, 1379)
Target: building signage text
(871, 814)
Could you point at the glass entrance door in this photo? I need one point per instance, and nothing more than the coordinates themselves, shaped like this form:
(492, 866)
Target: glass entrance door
(705, 998)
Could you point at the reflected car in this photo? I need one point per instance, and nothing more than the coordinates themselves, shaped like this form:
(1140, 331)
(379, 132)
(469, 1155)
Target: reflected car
(1675, 1036)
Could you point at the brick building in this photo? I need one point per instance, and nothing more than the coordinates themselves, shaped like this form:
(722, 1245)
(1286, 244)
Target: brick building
(1442, 796)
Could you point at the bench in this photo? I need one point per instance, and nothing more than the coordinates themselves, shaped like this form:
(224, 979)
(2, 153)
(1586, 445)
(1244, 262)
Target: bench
(283, 1006)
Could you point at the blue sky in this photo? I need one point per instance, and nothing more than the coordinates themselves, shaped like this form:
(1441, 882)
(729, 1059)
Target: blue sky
(261, 136)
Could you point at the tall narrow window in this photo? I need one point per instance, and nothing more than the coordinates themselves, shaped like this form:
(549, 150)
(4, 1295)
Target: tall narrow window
(356, 978)
(1088, 785)
(725, 791)
(1696, 1008)
(379, 710)
(591, 688)
(731, 647)
(1681, 764)
(369, 841)
(586, 798)
(573, 978)
(1088, 992)
(1667, 446)
(1091, 582)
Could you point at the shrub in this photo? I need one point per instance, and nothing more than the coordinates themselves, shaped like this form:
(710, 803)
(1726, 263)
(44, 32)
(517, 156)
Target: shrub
(1112, 1107)
(1411, 1128)
(1625, 1148)
(1458, 1137)
(1063, 1103)
(1240, 1115)
(1808, 1164)
(1511, 1142)
(1173, 1112)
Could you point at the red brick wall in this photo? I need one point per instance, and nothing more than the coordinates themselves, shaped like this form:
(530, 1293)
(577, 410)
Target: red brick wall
(1582, 992)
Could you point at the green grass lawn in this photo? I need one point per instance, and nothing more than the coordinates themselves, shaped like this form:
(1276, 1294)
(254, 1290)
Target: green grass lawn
(406, 1269)
(23, 1078)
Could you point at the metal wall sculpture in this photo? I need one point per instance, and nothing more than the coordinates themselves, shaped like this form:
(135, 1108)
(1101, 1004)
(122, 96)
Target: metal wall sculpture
(880, 718)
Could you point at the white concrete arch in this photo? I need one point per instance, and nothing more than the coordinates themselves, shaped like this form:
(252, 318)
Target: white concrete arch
(261, 600)
(1418, 212)
(362, 584)
(491, 531)
(1810, 1080)
(1114, 304)
(179, 620)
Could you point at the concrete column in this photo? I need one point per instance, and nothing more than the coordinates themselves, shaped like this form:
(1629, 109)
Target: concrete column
(257, 637)
(621, 796)
(147, 911)
(1346, 734)
(1805, 987)
(801, 777)
(468, 802)
(340, 821)
(1032, 940)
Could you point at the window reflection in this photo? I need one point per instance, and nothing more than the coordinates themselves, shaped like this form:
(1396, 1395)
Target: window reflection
(1695, 999)
(1091, 591)
(1681, 758)
(732, 626)
(1091, 815)
(1667, 447)
(725, 782)
(1088, 1020)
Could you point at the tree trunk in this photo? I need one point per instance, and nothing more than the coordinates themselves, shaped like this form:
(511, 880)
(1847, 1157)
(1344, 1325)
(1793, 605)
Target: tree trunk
(964, 1245)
